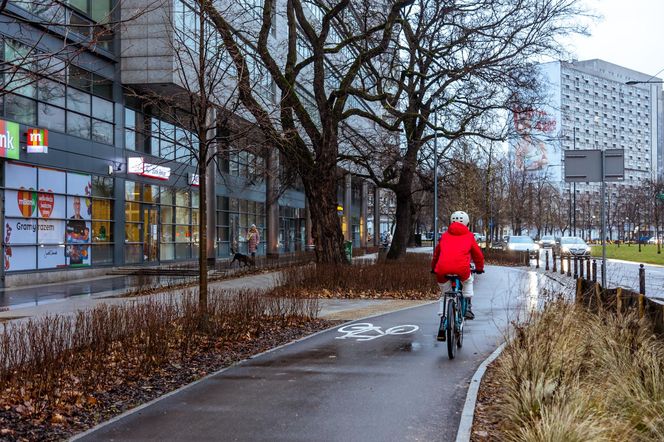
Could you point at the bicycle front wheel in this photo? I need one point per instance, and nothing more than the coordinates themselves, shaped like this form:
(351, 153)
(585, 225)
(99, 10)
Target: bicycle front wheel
(451, 330)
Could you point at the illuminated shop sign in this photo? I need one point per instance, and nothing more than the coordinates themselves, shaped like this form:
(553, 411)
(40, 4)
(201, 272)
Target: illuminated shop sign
(37, 141)
(9, 133)
(138, 166)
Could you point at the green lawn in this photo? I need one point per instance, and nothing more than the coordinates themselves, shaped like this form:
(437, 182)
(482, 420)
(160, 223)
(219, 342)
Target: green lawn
(631, 253)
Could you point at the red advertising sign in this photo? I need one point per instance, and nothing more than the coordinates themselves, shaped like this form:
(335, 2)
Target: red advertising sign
(37, 141)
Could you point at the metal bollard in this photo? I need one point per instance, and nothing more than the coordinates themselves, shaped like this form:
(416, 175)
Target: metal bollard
(569, 265)
(581, 268)
(546, 260)
(588, 267)
(527, 258)
(553, 260)
(576, 267)
(642, 279)
(594, 270)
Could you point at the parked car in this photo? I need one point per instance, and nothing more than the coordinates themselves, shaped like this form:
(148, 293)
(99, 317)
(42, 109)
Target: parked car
(521, 244)
(480, 239)
(547, 241)
(572, 245)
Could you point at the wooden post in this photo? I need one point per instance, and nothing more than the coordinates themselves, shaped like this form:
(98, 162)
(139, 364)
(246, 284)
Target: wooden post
(553, 260)
(588, 267)
(537, 260)
(594, 270)
(581, 268)
(562, 264)
(598, 295)
(546, 260)
(642, 280)
(576, 267)
(619, 300)
(569, 265)
(579, 290)
(642, 306)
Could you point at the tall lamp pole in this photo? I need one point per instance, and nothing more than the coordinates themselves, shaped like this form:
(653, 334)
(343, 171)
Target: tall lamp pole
(435, 179)
(574, 185)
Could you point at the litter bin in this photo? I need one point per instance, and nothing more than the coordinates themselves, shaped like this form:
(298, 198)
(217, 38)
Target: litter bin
(348, 248)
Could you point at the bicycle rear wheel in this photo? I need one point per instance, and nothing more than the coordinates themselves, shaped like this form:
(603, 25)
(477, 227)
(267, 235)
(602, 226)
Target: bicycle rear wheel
(461, 322)
(451, 330)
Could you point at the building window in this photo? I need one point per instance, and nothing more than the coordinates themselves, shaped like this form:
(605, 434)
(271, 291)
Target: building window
(234, 218)
(68, 225)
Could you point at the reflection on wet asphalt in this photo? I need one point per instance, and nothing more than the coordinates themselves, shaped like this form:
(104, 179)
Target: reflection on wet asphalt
(33, 296)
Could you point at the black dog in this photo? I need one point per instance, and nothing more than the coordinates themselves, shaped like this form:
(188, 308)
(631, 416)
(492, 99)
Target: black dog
(243, 259)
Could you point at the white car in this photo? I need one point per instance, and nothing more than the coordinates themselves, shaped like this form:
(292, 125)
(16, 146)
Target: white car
(572, 245)
(521, 244)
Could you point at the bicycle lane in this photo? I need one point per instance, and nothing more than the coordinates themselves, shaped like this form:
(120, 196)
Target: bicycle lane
(336, 386)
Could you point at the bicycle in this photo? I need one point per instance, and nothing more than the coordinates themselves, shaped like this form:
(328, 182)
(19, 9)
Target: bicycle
(452, 321)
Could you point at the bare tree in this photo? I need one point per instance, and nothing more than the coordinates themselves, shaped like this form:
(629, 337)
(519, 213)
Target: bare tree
(460, 61)
(316, 72)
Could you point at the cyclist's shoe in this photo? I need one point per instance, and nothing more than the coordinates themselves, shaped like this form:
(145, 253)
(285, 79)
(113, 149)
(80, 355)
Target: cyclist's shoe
(469, 314)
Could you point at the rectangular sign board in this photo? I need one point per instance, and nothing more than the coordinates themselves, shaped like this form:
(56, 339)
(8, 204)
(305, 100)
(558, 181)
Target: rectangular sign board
(586, 165)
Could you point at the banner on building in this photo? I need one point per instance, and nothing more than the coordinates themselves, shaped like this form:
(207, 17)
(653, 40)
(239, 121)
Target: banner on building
(47, 218)
(536, 146)
(9, 139)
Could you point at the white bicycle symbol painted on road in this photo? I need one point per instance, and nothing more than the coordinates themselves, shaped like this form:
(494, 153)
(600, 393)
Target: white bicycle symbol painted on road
(365, 331)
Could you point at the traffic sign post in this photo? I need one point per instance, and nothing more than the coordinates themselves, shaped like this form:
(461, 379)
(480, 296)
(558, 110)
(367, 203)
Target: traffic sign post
(596, 166)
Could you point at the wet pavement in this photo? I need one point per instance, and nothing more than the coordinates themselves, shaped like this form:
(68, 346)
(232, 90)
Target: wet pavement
(32, 296)
(385, 380)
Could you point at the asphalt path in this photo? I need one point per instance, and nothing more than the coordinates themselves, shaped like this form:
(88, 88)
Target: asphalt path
(341, 386)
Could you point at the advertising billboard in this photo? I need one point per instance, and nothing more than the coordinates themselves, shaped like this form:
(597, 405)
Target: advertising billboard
(47, 218)
(536, 145)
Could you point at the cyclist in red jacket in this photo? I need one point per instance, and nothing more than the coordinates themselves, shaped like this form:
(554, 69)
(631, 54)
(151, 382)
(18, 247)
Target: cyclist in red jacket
(452, 257)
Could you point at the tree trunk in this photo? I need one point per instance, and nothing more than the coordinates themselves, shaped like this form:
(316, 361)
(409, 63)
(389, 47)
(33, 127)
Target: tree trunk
(326, 227)
(402, 230)
(202, 236)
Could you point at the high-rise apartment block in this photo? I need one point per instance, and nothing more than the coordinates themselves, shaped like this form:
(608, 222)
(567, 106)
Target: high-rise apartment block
(598, 110)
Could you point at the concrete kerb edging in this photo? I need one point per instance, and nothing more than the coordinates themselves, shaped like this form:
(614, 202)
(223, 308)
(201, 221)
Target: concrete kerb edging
(468, 413)
(184, 387)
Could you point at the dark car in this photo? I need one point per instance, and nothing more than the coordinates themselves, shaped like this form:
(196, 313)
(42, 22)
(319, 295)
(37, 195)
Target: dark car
(572, 245)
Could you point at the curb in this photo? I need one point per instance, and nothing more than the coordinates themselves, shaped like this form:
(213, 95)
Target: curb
(141, 407)
(468, 413)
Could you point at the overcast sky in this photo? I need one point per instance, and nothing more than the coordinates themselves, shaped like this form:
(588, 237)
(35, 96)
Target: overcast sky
(630, 34)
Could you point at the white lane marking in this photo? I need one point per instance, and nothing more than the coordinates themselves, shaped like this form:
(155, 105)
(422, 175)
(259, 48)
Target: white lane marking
(365, 331)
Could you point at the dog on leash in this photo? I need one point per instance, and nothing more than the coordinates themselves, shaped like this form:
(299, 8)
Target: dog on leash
(243, 259)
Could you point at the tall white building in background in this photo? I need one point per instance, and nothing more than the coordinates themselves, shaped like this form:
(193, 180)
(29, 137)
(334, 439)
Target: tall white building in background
(595, 109)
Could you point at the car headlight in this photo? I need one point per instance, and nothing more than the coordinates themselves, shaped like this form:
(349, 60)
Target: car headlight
(511, 246)
(565, 248)
(587, 248)
(537, 246)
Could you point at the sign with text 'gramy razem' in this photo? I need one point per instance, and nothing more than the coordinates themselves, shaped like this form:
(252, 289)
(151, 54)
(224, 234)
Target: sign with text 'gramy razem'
(9, 139)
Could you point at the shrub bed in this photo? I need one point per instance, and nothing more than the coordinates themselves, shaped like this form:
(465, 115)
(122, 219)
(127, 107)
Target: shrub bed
(62, 374)
(570, 374)
(405, 279)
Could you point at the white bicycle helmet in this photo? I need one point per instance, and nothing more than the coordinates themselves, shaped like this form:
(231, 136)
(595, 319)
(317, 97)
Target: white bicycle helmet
(460, 217)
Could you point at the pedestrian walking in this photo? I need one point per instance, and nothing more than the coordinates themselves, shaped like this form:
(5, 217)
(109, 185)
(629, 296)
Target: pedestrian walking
(253, 239)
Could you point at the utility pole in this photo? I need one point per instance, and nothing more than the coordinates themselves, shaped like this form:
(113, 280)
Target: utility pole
(435, 179)
(574, 185)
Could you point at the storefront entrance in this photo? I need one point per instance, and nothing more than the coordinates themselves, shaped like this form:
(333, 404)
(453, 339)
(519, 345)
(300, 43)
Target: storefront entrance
(150, 233)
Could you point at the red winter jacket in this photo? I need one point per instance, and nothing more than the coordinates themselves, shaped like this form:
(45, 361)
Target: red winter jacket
(453, 253)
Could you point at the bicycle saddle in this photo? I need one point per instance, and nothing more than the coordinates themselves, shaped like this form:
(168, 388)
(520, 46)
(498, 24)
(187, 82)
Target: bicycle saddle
(452, 277)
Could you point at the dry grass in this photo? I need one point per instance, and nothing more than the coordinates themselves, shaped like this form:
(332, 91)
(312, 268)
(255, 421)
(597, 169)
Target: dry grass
(573, 375)
(53, 365)
(408, 278)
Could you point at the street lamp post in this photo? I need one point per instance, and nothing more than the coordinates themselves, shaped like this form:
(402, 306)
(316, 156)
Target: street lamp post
(435, 179)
